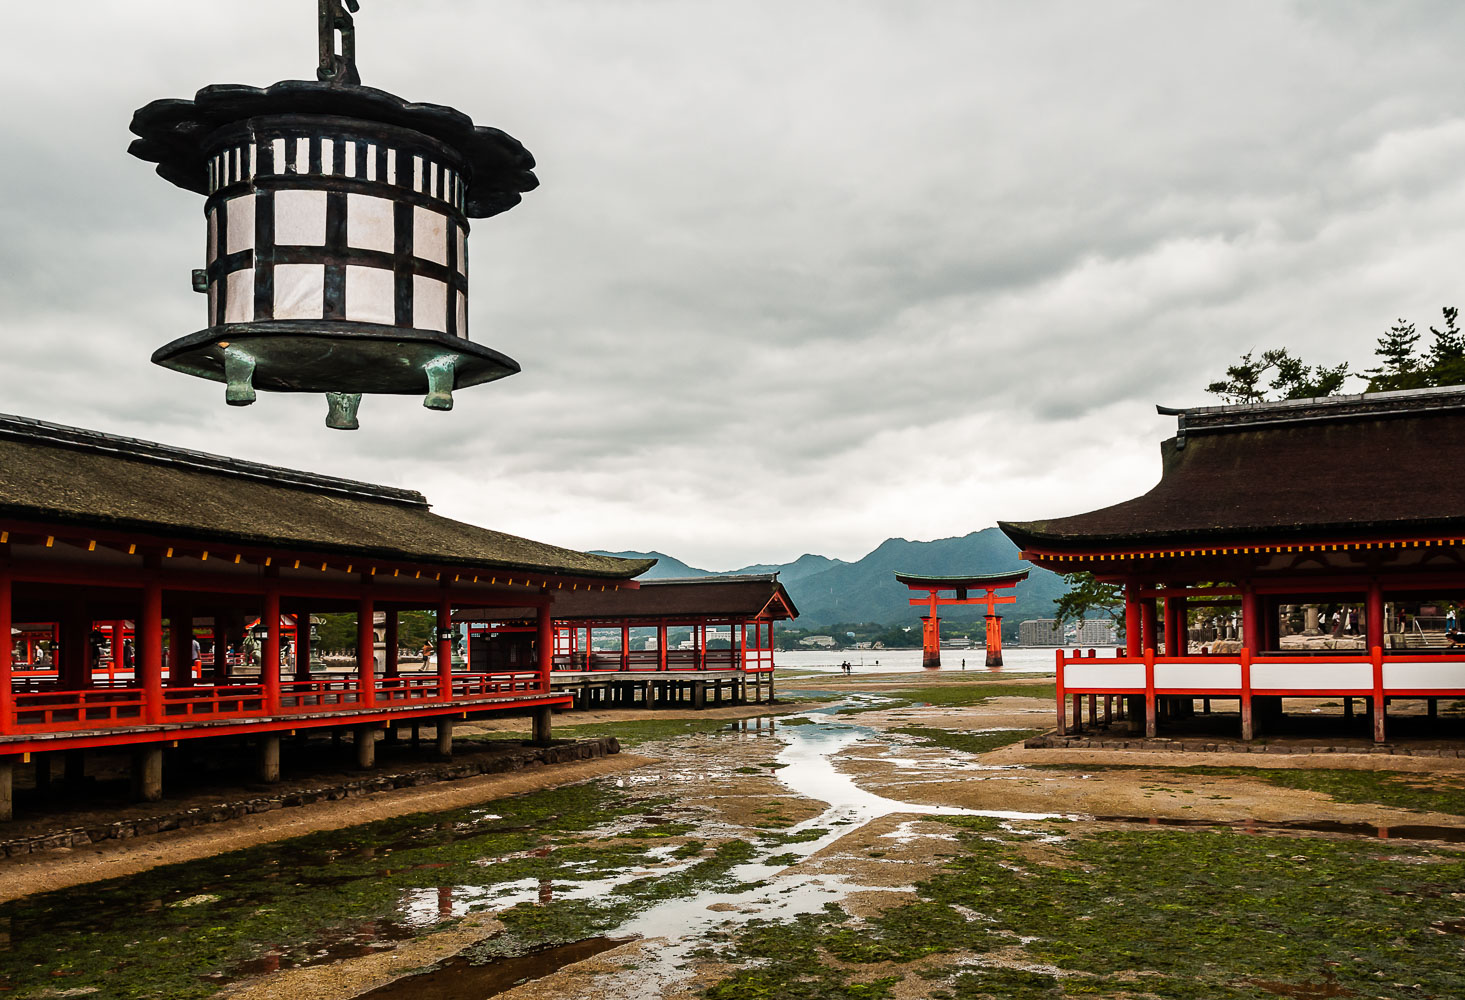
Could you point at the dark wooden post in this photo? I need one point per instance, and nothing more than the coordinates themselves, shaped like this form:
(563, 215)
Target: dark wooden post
(444, 649)
(365, 666)
(269, 662)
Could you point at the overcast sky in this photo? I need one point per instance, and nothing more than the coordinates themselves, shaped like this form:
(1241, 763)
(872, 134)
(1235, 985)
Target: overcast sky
(800, 275)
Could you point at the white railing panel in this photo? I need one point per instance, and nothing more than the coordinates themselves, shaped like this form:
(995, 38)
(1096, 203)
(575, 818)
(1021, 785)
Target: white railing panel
(1105, 676)
(1199, 675)
(1439, 675)
(1309, 675)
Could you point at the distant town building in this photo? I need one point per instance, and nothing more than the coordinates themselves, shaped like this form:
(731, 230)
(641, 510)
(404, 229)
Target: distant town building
(821, 641)
(1085, 632)
(1095, 632)
(1040, 632)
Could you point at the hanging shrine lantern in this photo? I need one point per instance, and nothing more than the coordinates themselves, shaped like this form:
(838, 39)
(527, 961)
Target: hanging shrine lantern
(337, 250)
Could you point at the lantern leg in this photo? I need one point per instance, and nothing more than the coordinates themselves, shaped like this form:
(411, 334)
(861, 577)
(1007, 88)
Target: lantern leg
(239, 376)
(341, 412)
(439, 383)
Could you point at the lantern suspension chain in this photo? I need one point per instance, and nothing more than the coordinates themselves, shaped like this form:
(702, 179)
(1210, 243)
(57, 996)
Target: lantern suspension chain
(337, 67)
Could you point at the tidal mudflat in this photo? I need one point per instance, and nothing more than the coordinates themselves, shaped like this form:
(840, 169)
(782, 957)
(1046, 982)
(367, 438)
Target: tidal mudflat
(895, 840)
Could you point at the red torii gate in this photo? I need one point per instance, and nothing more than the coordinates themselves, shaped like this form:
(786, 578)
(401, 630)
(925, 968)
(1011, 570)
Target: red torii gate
(985, 587)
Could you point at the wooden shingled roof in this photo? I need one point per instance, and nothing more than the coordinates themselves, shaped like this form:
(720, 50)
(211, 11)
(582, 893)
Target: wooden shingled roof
(743, 596)
(1378, 465)
(54, 474)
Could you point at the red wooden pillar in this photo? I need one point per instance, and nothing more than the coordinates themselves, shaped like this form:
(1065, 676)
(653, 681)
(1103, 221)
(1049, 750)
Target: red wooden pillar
(1150, 707)
(1376, 655)
(118, 628)
(147, 659)
(625, 647)
(1374, 612)
(1375, 628)
(545, 621)
(303, 649)
(661, 646)
(7, 646)
(180, 646)
(1248, 727)
(1062, 729)
(1251, 620)
(390, 668)
(269, 662)
(365, 652)
(1133, 640)
(1147, 630)
(701, 637)
(444, 647)
(994, 640)
(1175, 630)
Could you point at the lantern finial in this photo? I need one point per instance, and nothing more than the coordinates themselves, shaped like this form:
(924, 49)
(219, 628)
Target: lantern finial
(338, 67)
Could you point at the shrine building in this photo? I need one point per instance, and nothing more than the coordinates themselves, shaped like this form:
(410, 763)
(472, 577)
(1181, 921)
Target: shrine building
(1330, 530)
(668, 641)
(117, 555)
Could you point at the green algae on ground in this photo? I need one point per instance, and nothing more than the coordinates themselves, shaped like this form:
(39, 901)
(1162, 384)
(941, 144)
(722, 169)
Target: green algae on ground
(535, 925)
(1180, 915)
(966, 742)
(340, 892)
(785, 961)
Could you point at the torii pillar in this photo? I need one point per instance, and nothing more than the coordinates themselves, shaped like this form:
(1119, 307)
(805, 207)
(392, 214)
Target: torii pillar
(964, 590)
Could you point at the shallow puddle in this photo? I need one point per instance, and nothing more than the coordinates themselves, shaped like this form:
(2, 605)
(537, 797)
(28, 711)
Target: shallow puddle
(459, 979)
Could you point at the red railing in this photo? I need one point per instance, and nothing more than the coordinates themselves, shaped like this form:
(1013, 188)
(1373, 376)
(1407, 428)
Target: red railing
(323, 695)
(649, 659)
(101, 707)
(54, 711)
(471, 686)
(232, 701)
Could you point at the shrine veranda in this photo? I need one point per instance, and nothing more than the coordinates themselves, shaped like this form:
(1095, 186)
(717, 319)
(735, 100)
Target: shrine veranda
(106, 536)
(1253, 513)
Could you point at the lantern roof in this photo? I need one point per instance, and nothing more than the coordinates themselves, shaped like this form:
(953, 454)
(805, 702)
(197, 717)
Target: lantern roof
(173, 133)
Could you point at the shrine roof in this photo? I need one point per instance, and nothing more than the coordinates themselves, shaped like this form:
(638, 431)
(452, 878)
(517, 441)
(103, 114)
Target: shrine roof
(1332, 468)
(743, 596)
(55, 474)
(946, 582)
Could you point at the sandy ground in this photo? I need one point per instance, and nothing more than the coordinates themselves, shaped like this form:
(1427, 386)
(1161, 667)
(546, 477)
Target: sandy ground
(727, 781)
(34, 873)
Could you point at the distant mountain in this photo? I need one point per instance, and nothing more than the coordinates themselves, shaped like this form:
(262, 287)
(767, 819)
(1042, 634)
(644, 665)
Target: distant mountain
(666, 566)
(805, 565)
(867, 591)
(827, 590)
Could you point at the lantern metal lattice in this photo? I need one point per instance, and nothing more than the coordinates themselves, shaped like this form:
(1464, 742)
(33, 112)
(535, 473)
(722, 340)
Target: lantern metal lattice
(337, 217)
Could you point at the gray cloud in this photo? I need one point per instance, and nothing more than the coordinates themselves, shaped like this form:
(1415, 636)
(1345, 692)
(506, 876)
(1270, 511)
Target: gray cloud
(799, 276)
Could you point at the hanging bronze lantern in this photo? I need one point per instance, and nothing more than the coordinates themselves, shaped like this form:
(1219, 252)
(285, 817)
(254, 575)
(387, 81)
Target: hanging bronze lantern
(337, 251)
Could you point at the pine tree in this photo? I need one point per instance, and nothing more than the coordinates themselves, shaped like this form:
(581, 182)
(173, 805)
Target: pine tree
(1401, 368)
(1446, 356)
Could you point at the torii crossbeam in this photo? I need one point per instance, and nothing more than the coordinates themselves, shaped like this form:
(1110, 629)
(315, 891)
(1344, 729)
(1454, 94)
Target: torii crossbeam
(965, 590)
